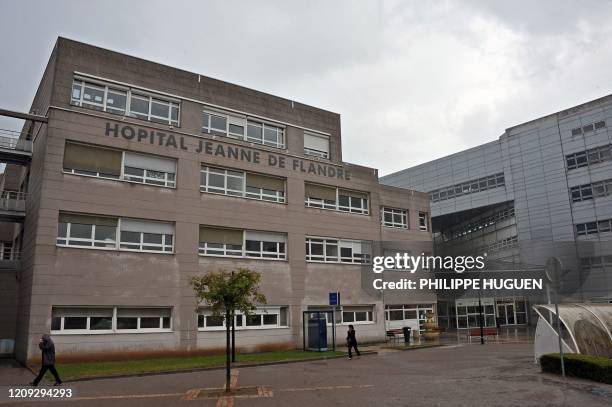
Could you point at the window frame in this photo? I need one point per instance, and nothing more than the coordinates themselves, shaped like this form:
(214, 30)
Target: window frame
(277, 255)
(423, 221)
(338, 258)
(114, 317)
(260, 311)
(117, 242)
(279, 197)
(318, 203)
(131, 92)
(403, 213)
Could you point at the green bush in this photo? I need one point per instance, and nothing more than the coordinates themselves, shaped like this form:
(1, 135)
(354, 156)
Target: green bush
(585, 366)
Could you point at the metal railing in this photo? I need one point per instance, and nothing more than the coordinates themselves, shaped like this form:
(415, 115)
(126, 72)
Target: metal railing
(10, 140)
(12, 201)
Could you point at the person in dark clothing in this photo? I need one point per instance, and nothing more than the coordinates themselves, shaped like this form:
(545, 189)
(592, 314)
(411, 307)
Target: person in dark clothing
(351, 341)
(48, 360)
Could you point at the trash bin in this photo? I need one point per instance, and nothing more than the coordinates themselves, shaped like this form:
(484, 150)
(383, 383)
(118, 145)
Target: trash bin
(407, 330)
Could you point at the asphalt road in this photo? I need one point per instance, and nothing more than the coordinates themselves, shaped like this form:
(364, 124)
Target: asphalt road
(463, 375)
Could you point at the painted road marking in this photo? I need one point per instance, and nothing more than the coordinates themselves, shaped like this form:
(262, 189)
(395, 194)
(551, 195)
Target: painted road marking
(344, 387)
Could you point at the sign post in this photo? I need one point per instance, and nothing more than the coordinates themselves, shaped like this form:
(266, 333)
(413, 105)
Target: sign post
(334, 301)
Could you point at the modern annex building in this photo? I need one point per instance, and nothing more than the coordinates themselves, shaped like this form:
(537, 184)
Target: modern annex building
(141, 176)
(543, 189)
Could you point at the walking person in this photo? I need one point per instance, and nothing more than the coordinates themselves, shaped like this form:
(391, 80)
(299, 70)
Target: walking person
(48, 360)
(351, 342)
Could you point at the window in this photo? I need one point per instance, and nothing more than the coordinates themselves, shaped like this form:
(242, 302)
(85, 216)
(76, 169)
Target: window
(81, 320)
(329, 250)
(146, 236)
(589, 157)
(230, 182)
(468, 315)
(265, 245)
(216, 241)
(261, 318)
(316, 145)
(95, 161)
(114, 99)
(81, 159)
(232, 125)
(590, 191)
(588, 228)
(87, 231)
(101, 232)
(423, 221)
(326, 197)
(6, 251)
(357, 314)
(468, 187)
(220, 242)
(588, 128)
(144, 319)
(394, 218)
(148, 169)
(399, 314)
(266, 134)
(222, 124)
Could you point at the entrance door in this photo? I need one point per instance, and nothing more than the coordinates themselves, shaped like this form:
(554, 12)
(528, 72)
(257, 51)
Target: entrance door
(505, 312)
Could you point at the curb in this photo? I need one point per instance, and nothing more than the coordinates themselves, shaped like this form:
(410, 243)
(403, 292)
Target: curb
(204, 369)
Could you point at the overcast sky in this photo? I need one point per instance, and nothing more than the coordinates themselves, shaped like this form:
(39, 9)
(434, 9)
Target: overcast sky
(412, 80)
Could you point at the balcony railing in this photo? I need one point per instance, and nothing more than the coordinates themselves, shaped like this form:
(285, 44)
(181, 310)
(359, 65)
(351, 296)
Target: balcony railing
(12, 201)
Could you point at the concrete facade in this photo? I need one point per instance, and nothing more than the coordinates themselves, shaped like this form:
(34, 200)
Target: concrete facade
(542, 163)
(54, 276)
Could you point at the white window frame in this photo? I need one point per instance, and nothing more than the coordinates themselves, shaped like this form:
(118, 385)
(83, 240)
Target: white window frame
(7, 251)
(222, 250)
(313, 151)
(169, 179)
(403, 213)
(92, 240)
(63, 241)
(114, 329)
(267, 310)
(130, 92)
(260, 195)
(279, 129)
(362, 258)
(312, 202)
(423, 221)
(355, 309)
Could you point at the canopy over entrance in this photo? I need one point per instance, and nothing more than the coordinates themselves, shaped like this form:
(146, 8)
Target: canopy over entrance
(585, 328)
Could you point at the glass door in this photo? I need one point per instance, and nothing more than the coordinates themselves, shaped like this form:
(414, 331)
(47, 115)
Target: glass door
(505, 313)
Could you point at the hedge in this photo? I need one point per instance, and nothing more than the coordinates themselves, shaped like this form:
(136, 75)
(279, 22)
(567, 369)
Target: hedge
(589, 367)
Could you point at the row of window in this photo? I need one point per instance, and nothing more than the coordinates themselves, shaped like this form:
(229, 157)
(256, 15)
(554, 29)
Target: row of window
(587, 263)
(401, 313)
(588, 128)
(108, 163)
(592, 228)
(589, 157)
(499, 245)
(145, 105)
(125, 101)
(105, 320)
(110, 320)
(586, 192)
(101, 232)
(468, 187)
(82, 159)
(479, 224)
(6, 251)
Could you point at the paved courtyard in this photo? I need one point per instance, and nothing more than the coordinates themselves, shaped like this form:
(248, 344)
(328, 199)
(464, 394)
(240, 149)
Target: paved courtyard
(461, 375)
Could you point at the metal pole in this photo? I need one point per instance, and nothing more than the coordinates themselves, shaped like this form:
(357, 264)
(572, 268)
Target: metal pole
(334, 331)
(228, 364)
(480, 322)
(559, 334)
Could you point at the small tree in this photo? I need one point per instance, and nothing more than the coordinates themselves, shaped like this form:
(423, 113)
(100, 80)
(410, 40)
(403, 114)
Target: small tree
(227, 292)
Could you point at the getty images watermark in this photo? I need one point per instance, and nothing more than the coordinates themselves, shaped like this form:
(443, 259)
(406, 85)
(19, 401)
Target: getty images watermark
(407, 263)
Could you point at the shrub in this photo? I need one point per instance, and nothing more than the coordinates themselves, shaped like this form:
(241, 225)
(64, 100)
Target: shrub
(585, 366)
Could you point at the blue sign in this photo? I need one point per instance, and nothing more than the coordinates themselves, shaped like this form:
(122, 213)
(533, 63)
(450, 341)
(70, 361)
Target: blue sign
(334, 298)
